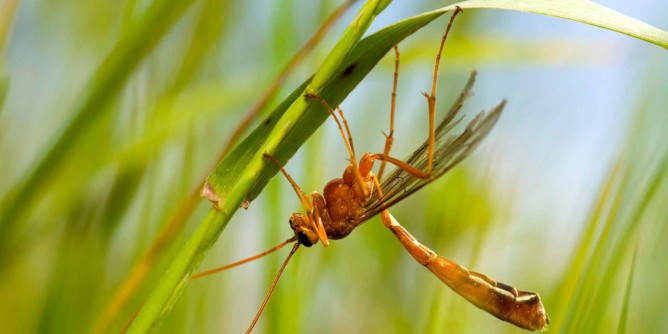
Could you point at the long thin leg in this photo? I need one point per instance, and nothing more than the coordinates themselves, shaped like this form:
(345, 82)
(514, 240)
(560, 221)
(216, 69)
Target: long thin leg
(431, 98)
(347, 138)
(431, 101)
(273, 286)
(303, 198)
(319, 227)
(403, 165)
(350, 136)
(346, 135)
(389, 137)
(246, 260)
(311, 211)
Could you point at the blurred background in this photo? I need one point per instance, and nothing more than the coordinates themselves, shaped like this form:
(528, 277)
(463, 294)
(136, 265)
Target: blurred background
(566, 197)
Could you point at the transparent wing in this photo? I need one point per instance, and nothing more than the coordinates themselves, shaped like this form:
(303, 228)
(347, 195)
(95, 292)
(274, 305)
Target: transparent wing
(450, 149)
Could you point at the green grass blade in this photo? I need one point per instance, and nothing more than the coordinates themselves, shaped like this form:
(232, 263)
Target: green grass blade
(622, 246)
(210, 27)
(609, 194)
(177, 276)
(578, 10)
(582, 297)
(621, 328)
(596, 287)
(133, 46)
(350, 37)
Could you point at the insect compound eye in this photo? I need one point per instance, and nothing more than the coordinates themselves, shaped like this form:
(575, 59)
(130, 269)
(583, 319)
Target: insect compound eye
(303, 239)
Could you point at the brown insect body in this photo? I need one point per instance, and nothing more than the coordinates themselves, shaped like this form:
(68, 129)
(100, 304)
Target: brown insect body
(340, 205)
(521, 308)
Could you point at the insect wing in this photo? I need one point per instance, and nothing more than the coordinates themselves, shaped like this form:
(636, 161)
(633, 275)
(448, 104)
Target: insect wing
(448, 152)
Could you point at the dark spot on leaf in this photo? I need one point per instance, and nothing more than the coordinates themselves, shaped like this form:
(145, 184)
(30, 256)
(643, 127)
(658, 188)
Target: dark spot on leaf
(348, 70)
(267, 121)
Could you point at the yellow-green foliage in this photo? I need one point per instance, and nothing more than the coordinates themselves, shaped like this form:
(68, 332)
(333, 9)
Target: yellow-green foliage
(112, 113)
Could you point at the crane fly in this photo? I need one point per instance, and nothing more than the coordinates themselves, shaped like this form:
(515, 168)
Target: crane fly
(359, 195)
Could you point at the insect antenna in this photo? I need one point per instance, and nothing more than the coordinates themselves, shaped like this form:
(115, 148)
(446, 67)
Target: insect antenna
(273, 286)
(246, 260)
(225, 267)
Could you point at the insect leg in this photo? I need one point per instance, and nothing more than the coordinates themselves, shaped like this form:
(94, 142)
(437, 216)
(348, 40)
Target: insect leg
(347, 138)
(273, 286)
(431, 98)
(319, 227)
(389, 137)
(308, 207)
(311, 210)
(431, 102)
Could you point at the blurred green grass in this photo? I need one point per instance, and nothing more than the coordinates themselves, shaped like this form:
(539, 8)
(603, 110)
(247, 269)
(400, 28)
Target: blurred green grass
(85, 228)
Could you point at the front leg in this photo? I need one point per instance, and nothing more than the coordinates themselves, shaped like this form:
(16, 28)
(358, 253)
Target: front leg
(320, 215)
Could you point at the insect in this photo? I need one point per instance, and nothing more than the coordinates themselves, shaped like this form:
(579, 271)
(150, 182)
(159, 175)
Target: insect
(359, 195)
